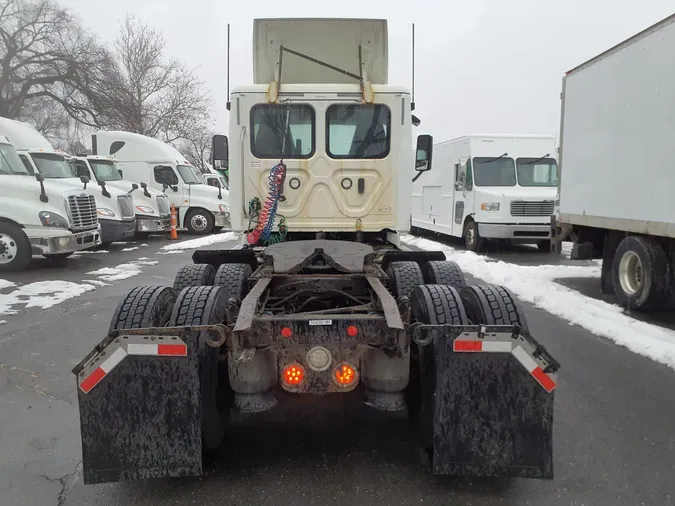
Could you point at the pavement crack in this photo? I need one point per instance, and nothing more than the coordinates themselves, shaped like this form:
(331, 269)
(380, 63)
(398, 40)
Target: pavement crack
(67, 482)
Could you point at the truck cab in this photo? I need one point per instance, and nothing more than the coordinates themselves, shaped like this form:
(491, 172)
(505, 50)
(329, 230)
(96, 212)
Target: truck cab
(343, 144)
(39, 216)
(489, 186)
(152, 207)
(201, 209)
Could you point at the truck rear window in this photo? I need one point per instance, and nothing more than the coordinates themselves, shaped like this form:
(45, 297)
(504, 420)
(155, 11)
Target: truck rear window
(358, 131)
(269, 124)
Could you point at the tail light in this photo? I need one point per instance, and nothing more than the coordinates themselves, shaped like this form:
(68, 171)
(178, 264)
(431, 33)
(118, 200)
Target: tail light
(293, 374)
(345, 375)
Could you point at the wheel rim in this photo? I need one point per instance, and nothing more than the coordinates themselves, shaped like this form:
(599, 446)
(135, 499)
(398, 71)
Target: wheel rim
(630, 273)
(8, 248)
(470, 235)
(199, 222)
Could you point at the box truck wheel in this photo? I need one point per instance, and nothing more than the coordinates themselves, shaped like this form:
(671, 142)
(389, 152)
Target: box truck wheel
(639, 273)
(15, 249)
(472, 239)
(444, 273)
(194, 275)
(544, 246)
(199, 221)
(492, 305)
(142, 307)
(404, 277)
(206, 305)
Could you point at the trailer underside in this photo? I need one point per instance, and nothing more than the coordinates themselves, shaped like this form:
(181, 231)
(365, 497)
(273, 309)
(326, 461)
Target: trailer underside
(316, 317)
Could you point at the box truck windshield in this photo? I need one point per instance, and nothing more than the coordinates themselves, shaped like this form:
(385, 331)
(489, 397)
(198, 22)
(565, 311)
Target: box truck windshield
(189, 175)
(10, 163)
(537, 172)
(105, 170)
(491, 171)
(52, 166)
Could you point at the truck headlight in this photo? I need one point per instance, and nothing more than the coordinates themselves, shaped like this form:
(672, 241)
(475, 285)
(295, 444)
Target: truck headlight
(223, 208)
(107, 213)
(489, 206)
(145, 209)
(53, 220)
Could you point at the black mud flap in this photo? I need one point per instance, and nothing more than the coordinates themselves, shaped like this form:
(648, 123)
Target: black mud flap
(493, 404)
(140, 408)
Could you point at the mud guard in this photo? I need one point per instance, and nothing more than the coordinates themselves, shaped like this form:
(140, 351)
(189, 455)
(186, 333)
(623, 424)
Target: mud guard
(140, 408)
(493, 403)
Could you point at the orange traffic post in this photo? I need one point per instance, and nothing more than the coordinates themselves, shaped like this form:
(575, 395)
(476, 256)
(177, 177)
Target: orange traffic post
(174, 233)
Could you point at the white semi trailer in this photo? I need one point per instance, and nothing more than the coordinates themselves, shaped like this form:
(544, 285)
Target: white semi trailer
(616, 193)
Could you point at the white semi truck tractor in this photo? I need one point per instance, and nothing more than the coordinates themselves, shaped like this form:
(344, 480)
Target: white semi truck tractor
(319, 297)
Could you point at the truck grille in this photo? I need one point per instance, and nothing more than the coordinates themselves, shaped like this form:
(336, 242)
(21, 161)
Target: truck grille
(163, 206)
(537, 208)
(82, 210)
(126, 203)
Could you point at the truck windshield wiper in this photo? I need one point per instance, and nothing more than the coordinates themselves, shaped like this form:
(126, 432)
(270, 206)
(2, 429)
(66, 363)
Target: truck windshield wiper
(537, 160)
(493, 159)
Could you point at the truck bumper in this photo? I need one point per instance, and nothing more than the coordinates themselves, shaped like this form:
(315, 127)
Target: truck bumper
(153, 224)
(65, 243)
(221, 219)
(515, 232)
(112, 230)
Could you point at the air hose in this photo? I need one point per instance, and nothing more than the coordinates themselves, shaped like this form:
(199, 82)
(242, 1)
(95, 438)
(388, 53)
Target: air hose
(268, 212)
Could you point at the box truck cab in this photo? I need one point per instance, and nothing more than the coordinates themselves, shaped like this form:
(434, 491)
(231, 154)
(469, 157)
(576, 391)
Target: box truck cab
(487, 186)
(39, 216)
(201, 208)
(114, 207)
(152, 207)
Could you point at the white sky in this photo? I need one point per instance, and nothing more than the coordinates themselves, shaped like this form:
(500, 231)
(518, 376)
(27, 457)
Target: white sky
(481, 65)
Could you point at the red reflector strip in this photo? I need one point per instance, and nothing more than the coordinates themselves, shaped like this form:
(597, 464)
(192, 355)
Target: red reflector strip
(176, 350)
(92, 380)
(533, 368)
(458, 345)
(544, 379)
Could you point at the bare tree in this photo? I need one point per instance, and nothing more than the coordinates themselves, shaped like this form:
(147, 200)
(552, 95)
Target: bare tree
(44, 55)
(196, 147)
(144, 92)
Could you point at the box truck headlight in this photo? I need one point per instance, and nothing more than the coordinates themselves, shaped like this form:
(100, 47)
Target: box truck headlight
(489, 206)
(145, 209)
(53, 220)
(106, 213)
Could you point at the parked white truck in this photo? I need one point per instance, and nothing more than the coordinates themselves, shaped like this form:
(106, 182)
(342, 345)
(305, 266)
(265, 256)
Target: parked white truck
(152, 207)
(489, 186)
(39, 216)
(201, 208)
(616, 196)
(114, 207)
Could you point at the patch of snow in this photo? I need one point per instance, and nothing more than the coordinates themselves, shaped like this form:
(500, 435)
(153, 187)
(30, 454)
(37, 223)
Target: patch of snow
(121, 271)
(2, 322)
(536, 286)
(130, 249)
(5, 284)
(90, 252)
(144, 258)
(200, 242)
(175, 252)
(143, 244)
(42, 294)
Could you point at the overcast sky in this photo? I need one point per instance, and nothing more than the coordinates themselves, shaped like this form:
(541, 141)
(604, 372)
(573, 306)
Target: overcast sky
(481, 65)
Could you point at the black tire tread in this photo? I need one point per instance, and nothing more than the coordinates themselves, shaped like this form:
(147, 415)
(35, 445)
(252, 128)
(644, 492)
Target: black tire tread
(144, 306)
(194, 275)
(444, 273)
(233, 278)
(438, 304)
(493, 305)
(404, 277)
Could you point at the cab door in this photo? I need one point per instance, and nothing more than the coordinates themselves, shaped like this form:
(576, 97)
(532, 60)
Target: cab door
(461, 209)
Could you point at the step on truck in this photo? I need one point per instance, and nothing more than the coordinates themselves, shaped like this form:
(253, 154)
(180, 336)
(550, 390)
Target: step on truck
(615, 192)
(318, 298)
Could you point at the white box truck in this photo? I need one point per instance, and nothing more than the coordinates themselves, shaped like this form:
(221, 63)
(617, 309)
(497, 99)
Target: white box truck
(202, 209)
(38, 216)
(152, 207)
(114, 207)
(616, 196)
(489, 186)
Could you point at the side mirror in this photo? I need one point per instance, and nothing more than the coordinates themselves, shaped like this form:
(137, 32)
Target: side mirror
(39, 177)
(219, 150)
(423, 152)
(134, 186)
(82, 171)
(119, 171)
(459, 186)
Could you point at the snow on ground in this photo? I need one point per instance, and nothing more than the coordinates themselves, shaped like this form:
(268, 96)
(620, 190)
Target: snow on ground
(122, 271)
(42, 294)
(5, 284)
(536, 285)
(90, 252)
(199, 242)
(131, 249)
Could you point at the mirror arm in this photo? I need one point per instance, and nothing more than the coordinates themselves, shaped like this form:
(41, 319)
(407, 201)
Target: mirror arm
(417, 176)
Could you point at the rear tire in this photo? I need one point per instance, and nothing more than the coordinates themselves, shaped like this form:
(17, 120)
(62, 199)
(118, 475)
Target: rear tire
(233, 279)
(404, 277)
(492, 305)
(194, 275)
(15, 248)
(199, 221)
(641, 273)
(206, 305)
(444, 273)
(142, 307)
